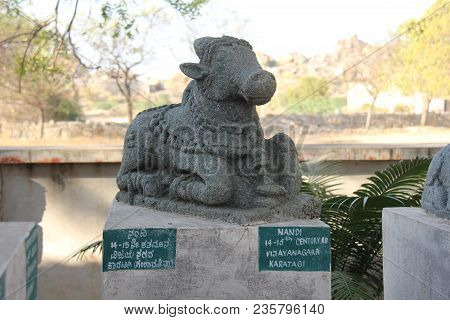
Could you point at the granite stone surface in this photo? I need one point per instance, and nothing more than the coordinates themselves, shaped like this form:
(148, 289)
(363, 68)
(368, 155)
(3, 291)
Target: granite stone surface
(436, 191)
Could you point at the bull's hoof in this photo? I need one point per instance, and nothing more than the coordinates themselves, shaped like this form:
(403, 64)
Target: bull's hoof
(151, 185)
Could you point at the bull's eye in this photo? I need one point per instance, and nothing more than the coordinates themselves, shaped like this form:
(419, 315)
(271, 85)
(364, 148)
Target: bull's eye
(221, 55)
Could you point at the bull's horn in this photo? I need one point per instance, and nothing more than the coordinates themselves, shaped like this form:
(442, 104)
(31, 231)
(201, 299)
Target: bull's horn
(200, 45)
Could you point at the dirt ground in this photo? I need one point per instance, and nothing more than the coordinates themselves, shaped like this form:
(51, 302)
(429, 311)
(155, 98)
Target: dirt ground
(407, 135)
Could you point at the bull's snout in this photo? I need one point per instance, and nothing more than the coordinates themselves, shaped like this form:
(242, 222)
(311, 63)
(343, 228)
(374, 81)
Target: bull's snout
(259, 87)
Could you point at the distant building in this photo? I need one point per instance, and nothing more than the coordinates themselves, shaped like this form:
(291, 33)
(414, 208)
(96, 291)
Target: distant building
(391, 101)
(156, 87)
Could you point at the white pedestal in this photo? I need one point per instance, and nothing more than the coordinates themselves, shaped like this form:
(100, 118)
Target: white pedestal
(416, 255)
(169, 256)
(19, 258)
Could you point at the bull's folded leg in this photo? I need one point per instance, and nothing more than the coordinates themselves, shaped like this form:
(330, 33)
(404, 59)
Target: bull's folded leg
(211, 191)
(177, 188)
(209, 183)
(283, 162)
(142, 183)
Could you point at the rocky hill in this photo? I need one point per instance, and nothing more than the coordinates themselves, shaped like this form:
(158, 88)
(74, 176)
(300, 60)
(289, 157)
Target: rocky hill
(326, 66)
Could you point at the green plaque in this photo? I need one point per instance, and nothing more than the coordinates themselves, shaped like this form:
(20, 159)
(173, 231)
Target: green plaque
(31, 251)
(2, 286)
(139, 249)
(294, 248)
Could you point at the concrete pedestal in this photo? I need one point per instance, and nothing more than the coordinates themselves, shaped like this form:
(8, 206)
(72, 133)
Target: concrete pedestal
(150, 254)
(19, 258)
(416, 255)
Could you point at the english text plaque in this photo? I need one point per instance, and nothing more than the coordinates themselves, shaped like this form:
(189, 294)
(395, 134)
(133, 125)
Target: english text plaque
(294, 248)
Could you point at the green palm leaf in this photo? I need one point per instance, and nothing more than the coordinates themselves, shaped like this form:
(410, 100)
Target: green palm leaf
(350, 286)
(355, 221)
(320, 178)
(94, 246)
(398, 180)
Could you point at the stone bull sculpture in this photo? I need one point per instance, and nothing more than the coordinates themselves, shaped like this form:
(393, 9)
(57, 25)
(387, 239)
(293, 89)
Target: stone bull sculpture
(207, 156)
(436, 191)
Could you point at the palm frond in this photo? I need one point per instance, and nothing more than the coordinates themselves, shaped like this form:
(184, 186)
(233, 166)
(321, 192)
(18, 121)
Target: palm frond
(94, 246)
(400, 179)
(415, 198)
(350, 286)
(320, 178)
(355, 221)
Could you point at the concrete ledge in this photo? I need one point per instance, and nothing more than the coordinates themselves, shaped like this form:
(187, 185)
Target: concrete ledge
(87, 154)
(113, 154)
(367, 152)
(416, 255)
(20, 255)
(150, 254)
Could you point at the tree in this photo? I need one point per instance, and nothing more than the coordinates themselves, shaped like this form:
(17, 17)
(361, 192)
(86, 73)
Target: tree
(119, 56)
(119, 42)
(422, 61)
(123, 42)
(120, 51)
(124, 77)
(375, 75)
(307, 93)
(311, 88)
(32, 81)
(59, 27)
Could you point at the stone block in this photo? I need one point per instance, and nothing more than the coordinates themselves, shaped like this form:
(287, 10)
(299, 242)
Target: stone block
(416, 255)
(20, 254)
(150, 254)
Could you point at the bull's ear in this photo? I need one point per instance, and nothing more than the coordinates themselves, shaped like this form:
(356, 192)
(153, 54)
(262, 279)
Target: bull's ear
(196, 71)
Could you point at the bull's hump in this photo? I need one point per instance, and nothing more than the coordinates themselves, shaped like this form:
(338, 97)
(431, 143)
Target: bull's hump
(145, 119)
(156, 109)
(150, 112)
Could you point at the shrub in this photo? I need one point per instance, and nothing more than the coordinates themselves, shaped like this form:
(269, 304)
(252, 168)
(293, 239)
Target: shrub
(63, 109)
(355, 222)
(310, 95)
(403, 108)
(307, 89)
(105, 104)
(331, 105)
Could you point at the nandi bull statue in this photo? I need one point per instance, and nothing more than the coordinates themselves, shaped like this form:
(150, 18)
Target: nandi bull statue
(207, 156)
(436, 191)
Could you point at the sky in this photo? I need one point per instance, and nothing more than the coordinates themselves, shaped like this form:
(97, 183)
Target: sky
(273, 27)
(280, 27)
(314, 26)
